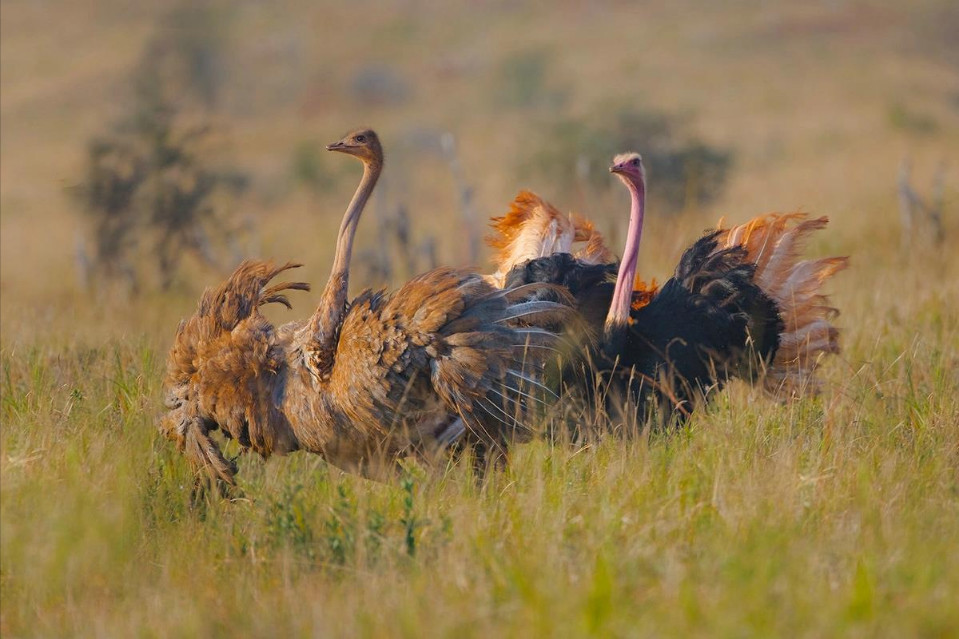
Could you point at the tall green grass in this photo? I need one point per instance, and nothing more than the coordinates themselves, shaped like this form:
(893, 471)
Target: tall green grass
(831, 515)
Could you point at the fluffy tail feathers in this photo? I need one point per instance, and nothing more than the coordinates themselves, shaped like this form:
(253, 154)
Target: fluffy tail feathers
(773, 243)
(220, 370)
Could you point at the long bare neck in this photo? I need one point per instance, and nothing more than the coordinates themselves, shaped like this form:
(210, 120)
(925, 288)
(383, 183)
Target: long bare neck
(623, 292)
(326, 321)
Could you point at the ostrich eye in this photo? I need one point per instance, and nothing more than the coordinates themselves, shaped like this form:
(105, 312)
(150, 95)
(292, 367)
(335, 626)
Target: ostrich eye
(360, 138)
(635, 162)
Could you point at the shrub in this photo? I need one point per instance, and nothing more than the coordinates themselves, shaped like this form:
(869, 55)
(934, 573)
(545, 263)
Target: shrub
(150, 183)
(684, 172)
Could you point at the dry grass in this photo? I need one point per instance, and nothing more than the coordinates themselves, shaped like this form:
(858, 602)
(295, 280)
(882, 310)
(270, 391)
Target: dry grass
(836, 515)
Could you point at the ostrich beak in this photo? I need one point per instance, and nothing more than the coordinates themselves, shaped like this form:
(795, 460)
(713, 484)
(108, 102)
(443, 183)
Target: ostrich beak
(336, 146)
(615, 168)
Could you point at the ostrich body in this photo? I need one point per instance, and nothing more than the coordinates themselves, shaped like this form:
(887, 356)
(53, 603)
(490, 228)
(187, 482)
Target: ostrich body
(361, 382)
(740, 304)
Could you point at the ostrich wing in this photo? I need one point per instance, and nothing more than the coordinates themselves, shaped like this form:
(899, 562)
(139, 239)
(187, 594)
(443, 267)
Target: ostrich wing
(221, 370)
(447, 342)
(534, 228)
(700, 328)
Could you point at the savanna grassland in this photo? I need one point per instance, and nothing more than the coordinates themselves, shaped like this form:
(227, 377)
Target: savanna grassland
(835, 515)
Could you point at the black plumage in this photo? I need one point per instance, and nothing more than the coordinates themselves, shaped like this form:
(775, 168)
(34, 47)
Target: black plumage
(708, 323)
(591, 285)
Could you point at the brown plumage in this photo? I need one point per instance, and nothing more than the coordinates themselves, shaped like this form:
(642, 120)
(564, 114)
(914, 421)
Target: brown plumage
(360, 383)
(223, 367)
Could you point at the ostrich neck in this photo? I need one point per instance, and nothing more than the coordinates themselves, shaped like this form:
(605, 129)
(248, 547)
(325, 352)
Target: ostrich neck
(623, 292)
(329, 315)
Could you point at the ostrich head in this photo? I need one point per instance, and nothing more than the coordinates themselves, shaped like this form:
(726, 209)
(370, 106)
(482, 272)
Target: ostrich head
(363, 144)
(629, 168)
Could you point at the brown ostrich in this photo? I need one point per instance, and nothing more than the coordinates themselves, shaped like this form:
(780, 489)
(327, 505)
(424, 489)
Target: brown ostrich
(447, 357)
(740, 304)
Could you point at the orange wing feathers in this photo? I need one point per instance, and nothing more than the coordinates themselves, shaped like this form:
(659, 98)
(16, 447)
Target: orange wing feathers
(595, 251)
(534, 228)
(643, 293)
(774, 243)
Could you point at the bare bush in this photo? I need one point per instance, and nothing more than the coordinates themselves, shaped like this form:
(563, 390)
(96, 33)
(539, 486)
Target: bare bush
(150, 183)
(921, 217)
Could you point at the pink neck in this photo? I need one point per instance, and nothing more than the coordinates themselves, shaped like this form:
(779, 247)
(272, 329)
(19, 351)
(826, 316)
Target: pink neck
(623, 293)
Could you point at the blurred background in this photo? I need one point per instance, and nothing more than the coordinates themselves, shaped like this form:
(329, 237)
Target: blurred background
(148, 147)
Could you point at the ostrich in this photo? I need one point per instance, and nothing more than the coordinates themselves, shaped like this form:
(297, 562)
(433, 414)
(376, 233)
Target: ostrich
(447, 358)
(739, 303)
(534, 228)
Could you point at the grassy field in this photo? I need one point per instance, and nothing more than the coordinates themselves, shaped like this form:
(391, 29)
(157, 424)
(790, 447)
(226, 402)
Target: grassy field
(830, 516)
